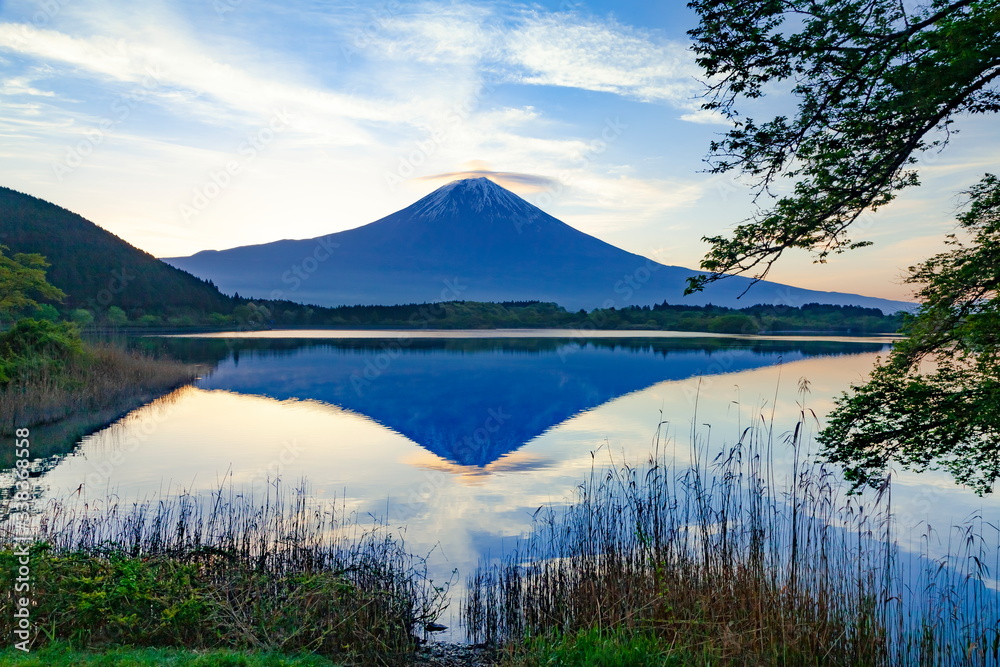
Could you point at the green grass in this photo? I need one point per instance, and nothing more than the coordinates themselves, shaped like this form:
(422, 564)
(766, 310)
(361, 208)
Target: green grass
(596, 648)
(223, 571)
(63, 655)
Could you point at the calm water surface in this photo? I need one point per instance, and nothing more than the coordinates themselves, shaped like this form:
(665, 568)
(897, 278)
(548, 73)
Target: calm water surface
(461, 436)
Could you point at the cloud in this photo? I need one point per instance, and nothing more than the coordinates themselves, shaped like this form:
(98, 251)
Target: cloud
(179, 77)
(566, 50)
(706, 117)
(522, 462)
(22, 86)
(530, 48)
(603, 204)
(519, 182)
(436, 33)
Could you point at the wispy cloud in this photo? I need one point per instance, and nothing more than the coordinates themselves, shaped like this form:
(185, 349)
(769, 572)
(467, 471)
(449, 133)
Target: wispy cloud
(234, 89)
(16, 86)
(519, 182)
(529, 47)
(570, 51)
(706, 117)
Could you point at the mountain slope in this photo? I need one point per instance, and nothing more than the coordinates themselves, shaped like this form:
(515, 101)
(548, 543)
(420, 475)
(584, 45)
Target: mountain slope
(476, 241)
(97, 269)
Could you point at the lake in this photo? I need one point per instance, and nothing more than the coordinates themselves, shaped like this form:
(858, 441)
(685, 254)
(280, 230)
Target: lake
(461, 436)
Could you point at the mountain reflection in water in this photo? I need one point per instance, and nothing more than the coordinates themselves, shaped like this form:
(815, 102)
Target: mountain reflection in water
(473, 401)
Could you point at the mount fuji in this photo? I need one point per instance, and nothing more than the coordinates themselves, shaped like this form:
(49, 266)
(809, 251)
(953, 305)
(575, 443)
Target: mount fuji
(474, 240)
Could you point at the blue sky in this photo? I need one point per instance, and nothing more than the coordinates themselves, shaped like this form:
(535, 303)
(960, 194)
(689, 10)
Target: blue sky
(187, 125)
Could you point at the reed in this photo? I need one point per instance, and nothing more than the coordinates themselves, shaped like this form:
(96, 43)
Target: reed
(278, 573)
(724, 558)
(105, 376)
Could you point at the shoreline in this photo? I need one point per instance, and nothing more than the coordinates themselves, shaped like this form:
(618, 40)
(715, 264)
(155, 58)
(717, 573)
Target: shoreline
(106, 383)
(376, 333)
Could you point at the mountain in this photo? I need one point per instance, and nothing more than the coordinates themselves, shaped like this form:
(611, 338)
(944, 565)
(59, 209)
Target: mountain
(442, 393)
(95, 268)
(474, 240)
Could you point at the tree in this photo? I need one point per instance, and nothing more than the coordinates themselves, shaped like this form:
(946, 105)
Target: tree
(83, 317)
(117, 316)
(32, 347)
(947, 411)
(877, 83)
(22, 279)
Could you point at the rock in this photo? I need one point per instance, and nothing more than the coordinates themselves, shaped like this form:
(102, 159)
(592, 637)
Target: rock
(445, 654)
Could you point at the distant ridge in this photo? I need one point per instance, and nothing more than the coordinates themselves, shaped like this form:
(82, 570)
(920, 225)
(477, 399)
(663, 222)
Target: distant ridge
(97, 269)
(475, 240)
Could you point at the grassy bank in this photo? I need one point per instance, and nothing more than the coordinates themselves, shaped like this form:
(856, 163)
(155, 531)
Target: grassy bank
(64, 655)
(49, 375)
(282, 575)
(728, 560)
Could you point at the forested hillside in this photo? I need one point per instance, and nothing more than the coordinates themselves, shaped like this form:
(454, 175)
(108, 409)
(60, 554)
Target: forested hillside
(98, 270)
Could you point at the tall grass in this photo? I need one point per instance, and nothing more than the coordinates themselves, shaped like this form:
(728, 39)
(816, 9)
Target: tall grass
(106, 376)
(278, 573)
(740, 562)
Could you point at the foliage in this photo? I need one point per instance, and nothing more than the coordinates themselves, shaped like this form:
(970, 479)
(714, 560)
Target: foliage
(21, 278)
(45, 311)
(61, 654)
(877, 82)
(52, 376)
(936, 399)
(92, 599)
(283, 573)
(534, 314)
(38, 346)
(594, 648)
(82, 317)
(117, 316)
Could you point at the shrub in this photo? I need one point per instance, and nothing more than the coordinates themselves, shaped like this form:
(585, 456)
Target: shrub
(288, 574)
(117, 316)
(150, 320)
(38, 346)
(46, 311)
(82, 317)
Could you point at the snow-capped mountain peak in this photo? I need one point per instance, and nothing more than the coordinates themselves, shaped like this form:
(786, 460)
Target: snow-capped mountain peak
(476, 195)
